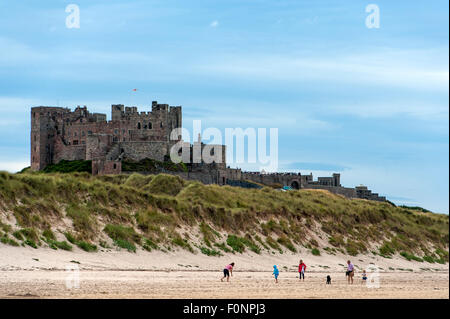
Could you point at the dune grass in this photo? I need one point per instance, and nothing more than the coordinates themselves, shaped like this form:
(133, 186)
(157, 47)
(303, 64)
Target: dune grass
(147, 211)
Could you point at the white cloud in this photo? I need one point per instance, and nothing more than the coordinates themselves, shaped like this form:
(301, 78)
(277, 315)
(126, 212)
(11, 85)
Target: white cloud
(13, 167)
(409, 69)
(214, 24)
(381, 109)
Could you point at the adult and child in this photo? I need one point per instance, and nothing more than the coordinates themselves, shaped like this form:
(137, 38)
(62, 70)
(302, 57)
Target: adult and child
(350, 273)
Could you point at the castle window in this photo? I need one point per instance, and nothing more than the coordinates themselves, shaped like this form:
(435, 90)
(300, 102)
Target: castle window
(139, 126)
(89, 132)
(150, 125)
(75, 142)
(116, 131)
(83, 142)
(115, 166)
(82, 133)
(161, 125)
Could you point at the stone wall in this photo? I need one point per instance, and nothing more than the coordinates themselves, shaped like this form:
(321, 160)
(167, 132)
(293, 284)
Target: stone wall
(137, 151)
(344, 191)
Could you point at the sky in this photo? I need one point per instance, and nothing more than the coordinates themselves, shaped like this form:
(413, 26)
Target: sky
(369, 103)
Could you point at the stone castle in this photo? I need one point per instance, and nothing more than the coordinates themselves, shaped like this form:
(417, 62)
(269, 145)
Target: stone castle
(61, 134)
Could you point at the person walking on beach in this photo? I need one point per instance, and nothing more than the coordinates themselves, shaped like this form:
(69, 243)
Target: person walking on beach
(301, 270)
(227, 271)
(350, 272)
(276, 273)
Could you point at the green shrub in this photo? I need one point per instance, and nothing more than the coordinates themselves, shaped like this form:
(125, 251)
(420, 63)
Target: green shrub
(235, 243)
(183, 243)
(83, 222)
(428, 259)
(6, 228)
(86, 246)
(31, 243)
(273, 244)
(209, 234)
(18, 235)
(223, 247)
(238, 244)
(122, 243)
(286, 242)
(315, 252)
(69, 167)
(63, 245)
(119, 232)
(386, 249)
(149, 245)
(210, 252)
(31, 235)
(70, 238)
(48, 234)
(8, 241)
(410, 257)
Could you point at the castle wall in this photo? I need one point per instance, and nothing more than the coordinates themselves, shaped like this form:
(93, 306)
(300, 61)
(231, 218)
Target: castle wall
(102, 167)
(344, 191)
(137, 151)
(283, 179)
(68, 152)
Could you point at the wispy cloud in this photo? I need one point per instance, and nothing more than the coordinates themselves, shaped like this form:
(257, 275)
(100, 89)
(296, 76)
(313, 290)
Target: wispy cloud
(382, 68)
(214, 24)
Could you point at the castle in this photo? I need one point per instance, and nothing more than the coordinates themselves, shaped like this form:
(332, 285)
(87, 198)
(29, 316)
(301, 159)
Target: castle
(61, 134)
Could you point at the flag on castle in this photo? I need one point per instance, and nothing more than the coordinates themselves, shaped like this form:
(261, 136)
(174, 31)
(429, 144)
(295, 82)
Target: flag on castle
(134, 90)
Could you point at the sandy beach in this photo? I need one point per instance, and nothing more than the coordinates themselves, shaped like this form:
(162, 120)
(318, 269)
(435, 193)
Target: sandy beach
(43, 273)
(203, 284)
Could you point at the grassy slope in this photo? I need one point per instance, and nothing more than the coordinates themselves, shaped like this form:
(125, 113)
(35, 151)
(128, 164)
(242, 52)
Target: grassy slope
(163, 212)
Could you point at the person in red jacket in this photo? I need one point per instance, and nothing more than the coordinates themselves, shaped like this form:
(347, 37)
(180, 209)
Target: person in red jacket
(301, 270)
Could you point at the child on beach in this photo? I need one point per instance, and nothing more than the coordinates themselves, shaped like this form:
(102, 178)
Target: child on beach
(227, 271)
(301, 270)
(364, 277)
(276, 272)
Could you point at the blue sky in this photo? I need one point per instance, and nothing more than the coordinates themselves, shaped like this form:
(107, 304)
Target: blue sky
(371, 104)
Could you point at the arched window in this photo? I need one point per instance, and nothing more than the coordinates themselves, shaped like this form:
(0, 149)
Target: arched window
(149, 125)
(139, 126)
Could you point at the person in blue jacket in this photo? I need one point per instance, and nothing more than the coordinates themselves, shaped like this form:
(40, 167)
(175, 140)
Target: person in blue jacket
(276, 272)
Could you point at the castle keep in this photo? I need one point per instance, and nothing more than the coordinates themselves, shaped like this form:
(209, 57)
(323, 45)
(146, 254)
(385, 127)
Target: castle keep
(58, 133)
(61, 134)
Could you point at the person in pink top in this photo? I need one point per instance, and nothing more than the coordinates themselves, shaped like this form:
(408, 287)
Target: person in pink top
(301, 270)
(227, 271)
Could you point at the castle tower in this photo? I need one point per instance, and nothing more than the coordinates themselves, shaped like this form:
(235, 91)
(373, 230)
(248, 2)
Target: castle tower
(336, 179)
(43, 132)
